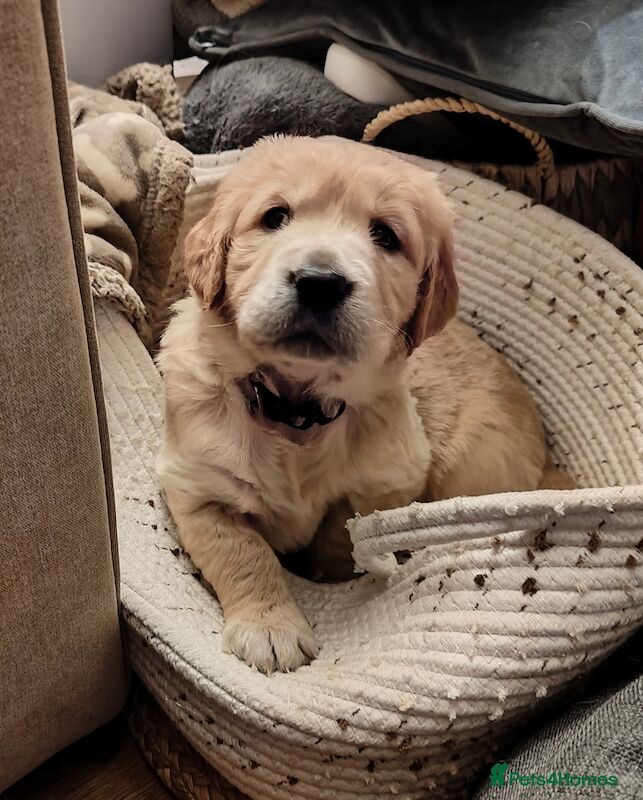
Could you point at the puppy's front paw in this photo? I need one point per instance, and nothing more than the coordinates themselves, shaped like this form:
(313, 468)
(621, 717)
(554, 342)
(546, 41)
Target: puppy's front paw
(278, 638)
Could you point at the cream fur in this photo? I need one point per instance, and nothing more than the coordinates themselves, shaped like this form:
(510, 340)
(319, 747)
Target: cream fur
(450, 419)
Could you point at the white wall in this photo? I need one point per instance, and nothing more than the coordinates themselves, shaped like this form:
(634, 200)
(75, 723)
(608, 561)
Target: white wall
(103, 36)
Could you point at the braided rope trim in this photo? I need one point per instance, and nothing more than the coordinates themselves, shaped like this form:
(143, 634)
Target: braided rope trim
(413, 108)
(185, 773)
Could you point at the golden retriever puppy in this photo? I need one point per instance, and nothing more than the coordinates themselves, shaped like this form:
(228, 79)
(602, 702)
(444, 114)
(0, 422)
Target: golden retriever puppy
(313, 362)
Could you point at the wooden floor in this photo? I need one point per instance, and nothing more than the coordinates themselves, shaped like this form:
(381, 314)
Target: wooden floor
(106, 765)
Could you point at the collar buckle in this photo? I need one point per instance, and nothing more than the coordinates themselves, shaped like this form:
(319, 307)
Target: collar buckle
(300, 416)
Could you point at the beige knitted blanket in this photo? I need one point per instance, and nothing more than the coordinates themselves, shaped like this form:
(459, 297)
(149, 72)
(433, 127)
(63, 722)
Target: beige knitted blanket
(132, 180)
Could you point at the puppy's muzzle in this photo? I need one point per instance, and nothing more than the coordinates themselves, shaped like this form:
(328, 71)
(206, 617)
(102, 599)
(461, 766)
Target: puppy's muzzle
(317, 320)
(320, 289)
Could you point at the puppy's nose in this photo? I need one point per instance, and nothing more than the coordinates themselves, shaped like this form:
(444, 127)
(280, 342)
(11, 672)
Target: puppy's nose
(320, 289)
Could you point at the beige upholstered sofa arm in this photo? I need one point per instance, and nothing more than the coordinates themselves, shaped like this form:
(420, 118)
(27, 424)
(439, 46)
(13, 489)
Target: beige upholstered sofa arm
(62, 668)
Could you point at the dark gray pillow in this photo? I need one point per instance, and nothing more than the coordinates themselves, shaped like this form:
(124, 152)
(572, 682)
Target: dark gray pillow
(234, 105)
(573, 70)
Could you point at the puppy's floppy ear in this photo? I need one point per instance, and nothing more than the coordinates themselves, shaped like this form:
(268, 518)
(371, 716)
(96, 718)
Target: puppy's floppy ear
(437, 298)
(205, 256)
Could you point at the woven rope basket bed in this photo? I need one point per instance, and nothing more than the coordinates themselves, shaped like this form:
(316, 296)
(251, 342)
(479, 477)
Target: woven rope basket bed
(475, 609)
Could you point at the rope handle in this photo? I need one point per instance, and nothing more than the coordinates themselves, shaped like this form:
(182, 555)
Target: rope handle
(413, 108)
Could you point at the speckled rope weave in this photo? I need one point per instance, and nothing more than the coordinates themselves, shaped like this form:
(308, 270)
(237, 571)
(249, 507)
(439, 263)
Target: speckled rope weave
(476, 609)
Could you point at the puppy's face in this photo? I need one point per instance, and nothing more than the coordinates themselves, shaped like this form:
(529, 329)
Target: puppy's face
(326, 251)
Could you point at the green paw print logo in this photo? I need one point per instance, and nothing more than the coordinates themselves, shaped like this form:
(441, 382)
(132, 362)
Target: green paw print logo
(497, 774)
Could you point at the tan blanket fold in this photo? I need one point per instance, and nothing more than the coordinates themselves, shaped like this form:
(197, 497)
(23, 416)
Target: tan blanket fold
(153, 86)
(132, 181)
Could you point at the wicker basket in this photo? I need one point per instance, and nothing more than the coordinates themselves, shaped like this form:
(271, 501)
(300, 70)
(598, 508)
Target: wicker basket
(603, 194)
(185, 773)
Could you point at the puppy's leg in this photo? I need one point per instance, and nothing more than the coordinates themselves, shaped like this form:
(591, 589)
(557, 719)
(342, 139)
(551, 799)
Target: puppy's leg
(329, 556)
(264, 625)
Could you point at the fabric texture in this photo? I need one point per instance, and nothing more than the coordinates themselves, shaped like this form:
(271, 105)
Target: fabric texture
(61, 655)
(572, 71)
(132, 180)
(477, 612)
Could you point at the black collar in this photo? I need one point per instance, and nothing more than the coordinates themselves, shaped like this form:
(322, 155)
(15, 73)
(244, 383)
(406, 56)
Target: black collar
(301, 414)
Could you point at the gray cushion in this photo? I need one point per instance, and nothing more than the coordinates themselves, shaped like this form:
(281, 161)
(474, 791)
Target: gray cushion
(572, 71)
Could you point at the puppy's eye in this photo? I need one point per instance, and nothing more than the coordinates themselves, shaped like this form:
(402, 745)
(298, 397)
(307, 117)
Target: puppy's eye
(275, 218)
(384, 236)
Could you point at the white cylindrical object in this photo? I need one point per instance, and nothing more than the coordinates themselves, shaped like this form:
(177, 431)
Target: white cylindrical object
(362, 79)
